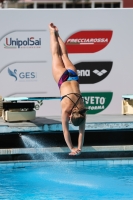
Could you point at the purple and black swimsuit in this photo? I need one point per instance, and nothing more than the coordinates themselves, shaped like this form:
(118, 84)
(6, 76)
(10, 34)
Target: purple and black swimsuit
(68, 75)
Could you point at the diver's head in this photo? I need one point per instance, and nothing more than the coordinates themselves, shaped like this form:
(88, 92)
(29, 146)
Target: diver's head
(78, 116)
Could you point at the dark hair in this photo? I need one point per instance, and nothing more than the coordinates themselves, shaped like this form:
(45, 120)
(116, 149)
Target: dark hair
(78, 116)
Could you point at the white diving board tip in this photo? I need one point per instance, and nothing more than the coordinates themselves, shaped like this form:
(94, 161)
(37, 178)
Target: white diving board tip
(29, 98)
(127, 96)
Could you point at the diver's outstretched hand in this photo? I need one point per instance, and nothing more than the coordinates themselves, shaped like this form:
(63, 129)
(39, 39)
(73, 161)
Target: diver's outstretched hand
(75, 152)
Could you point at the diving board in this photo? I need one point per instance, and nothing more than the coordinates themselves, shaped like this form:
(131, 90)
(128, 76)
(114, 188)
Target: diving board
(29, 98)
(22, 108)
(127, 104)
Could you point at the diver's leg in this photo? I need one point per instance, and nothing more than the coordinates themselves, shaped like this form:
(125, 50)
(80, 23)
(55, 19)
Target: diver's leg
(58, 67)
(64, 55)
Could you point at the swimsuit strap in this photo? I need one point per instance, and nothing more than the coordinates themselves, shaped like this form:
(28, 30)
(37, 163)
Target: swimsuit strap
(75, 104)
(77, 94)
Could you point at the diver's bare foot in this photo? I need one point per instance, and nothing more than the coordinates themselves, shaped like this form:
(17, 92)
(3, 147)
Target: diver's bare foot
(53, 28)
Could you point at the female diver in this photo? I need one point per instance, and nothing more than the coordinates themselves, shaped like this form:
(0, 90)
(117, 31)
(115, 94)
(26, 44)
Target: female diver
(66, 77)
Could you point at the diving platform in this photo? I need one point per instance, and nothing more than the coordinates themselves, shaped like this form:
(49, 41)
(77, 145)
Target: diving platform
(19, 116)
(53, 124)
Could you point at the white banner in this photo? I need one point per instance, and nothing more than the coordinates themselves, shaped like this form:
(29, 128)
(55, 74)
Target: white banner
(99, 43)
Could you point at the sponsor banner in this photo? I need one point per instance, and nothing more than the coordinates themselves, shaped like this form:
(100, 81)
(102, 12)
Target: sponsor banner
(17, 43)
(23, 45)
(22, 40)
(23, 75)
(88, 41)
(27, 78)
(102, 51)
(93, 72)
(96, 102)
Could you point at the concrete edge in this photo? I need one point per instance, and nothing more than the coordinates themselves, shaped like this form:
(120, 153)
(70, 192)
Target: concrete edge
(58, 127)
(89, 149)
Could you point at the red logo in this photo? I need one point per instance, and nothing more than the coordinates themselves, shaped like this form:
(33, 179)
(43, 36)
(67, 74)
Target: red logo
(88, 41)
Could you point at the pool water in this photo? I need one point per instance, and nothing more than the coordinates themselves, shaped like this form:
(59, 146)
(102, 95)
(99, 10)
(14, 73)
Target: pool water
(63, 181)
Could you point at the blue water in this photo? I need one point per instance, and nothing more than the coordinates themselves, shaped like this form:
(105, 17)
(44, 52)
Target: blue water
(67, 182)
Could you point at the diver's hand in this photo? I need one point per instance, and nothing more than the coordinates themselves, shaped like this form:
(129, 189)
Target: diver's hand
(75, 152)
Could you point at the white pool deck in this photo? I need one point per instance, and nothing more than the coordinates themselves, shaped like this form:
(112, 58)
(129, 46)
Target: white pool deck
(53, 124)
